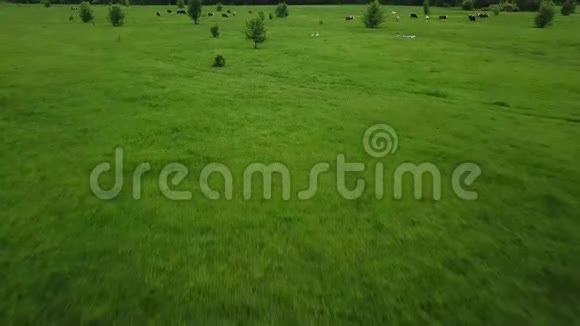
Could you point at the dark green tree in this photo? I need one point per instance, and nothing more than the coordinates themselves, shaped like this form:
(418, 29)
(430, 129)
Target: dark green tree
(86, 12)
(569, 7)
(373, 18)
(116, 15)
(255, 30)
(194, 10)
(545, 14)
(282, 10)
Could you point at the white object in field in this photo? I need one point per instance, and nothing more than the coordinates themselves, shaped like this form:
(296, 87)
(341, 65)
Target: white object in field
(317, 34)
(426, 18)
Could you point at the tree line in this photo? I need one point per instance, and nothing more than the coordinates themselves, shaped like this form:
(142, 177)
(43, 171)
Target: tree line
(524, 5)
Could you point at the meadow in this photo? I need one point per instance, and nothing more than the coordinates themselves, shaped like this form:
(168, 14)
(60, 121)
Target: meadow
(495, 92)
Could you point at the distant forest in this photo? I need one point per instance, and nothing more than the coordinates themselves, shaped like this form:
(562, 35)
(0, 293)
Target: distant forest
(524, 5)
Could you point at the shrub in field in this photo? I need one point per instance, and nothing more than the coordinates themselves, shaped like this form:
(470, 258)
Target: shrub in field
(262, 15)
(215, 31)
(116, 15)
(467, 5)
(373, 18)
(180, 4)
(496, 9)
(71, 17)
(86, 12)
(255, 30)
(426, 7)
(545, 15)
(569, 7)
(219, 6)
(46, 3)
(321, 22)
(270, 16)
(219, 61)
(194, 10)
(282, 10)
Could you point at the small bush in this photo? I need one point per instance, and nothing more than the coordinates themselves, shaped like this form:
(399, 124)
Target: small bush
(215, 31)
(569, 7)
(46, 3)
(180, 4)
(86, 12)
(467, 5)
(426, 7)
(373, 18)
(255, 30)
(270, 16)
(262, 15)
(116, 15)
(219, 6)
(71, 17)
(282, 10)
(545, 15)
(219, 61)
(496, 9)
(321, 22)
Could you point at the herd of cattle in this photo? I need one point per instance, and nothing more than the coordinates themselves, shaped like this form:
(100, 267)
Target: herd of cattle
(471, 17)
(209, 14)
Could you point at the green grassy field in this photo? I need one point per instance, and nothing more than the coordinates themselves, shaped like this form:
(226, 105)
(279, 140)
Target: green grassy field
(499, 93)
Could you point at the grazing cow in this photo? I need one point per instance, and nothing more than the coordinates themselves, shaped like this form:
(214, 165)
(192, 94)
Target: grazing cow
(472, 17)
(181, 12)
(168, 11)
(73, 8)
(482, 15)
(229, 12)
(234, 13)
(414, 16)
(347, 18)
(158, 14)
(426, 18)
(225, 16)
(398, 18)
(443, 17)
(393, 13)
(210, 14)
(250, 12)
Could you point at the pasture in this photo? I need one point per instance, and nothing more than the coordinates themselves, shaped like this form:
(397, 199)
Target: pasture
(495, 92)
